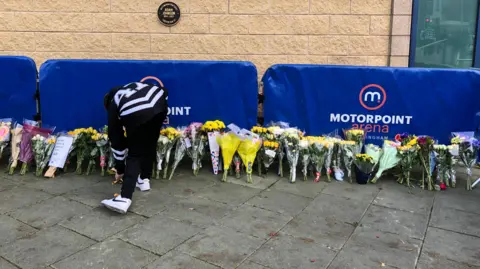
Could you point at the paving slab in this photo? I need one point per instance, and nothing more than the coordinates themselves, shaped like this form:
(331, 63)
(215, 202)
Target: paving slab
(101, 223)
(435, 261)
(287, 252)
(110, 254)
(458, 199)
(228, 193)
(64, 184)
(44, 248)
(183, 187)
(395, 221)
(281, 202)
(4, 264)
(159, 234)
(221, 246)
(329, 220)
(258, 182)
(303, 188)
(452, 246)
(11, 229)
(7, 183)
(49, 212)
(197, 211)
(255, 221)
(151, 202)
(368, 248)
(20, 197)
(175, 259)
(251, 265)
(352, 191)
(419, 201)
(456, 220)
(94, 194)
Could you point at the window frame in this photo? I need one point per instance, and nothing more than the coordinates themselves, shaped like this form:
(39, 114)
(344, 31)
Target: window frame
(413, 36)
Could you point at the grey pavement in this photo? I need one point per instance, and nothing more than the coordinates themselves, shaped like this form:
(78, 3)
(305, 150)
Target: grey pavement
(202, 223)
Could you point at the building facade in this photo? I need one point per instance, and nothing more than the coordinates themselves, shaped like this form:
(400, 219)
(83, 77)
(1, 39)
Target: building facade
(266, 32)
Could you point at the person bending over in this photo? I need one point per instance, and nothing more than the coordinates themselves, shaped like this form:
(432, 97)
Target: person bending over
(140, 108)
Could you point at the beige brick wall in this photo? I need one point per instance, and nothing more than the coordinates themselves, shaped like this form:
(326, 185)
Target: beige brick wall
(265, 32)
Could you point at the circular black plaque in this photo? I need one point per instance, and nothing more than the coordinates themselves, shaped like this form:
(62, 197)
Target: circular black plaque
(169, 13)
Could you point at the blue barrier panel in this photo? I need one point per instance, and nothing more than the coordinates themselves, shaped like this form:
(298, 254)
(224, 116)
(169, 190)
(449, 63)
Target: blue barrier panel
(72, 90)
(18, 76)
(382, 101)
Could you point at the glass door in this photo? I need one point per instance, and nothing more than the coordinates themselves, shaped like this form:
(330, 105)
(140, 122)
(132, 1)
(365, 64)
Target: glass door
(444, 33)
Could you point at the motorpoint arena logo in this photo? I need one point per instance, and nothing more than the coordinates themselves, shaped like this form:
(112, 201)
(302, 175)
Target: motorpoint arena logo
(172, 110)
(372, 97)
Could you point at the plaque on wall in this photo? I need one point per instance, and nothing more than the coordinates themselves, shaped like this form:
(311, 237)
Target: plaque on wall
(169, 13)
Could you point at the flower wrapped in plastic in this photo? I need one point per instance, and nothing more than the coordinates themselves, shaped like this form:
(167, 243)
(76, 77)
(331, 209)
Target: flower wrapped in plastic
(72, 151)
(17, 133)
(268, 152)
(167, 139)
(247, 150)
(357, 135)
(291, 141)
(195, 143)
(237, 165)
(103, 146)
(348, 149)
(364, 167)
(277, 132)
(425, 152)
(305, 156)
(389, 158)
(5, 131)
(180, 150)
(444, 161)
(229, 143)
(329, 158)
(94, 153)
(47, 153)
(318, 154)
(39, 144)
(214, 129)
(468, 148)
(266, 135)
(408, 159)
(26, 150)
(86, 148)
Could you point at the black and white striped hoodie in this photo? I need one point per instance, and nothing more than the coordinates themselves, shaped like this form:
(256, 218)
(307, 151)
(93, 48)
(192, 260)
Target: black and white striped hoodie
(132, 105)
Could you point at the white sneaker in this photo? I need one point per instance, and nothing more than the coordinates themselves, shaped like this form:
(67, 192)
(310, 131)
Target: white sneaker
(143, 184)
(118, 204)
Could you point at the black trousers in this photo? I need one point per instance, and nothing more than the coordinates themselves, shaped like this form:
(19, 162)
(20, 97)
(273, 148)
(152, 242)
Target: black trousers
(142, 147)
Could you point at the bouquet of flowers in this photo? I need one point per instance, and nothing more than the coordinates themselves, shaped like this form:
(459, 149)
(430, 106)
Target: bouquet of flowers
(165, 143)
(444, 160)
(328, 158)
(103, 145)
(364, 167)
(265, 134)
(388, 160)
(26, 151)
(229, 144)
(291, 141)
(408, 158)
(86, 147)
(268, 153)
(5, 125)
(213, 129)
(180, 149)
(237, 163)
(95, 151)
(305, 156)
(247, 150)
(425, 152)
(348, 149)
(42, 150)
(17, 133)
(277, 132)
(468, 152)
(195, 143)
(318, 153)
(357, 135)
(405, 139)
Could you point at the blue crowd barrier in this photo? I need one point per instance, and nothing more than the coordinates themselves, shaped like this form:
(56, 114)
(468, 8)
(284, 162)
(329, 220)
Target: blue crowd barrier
(73, 90)
(18, 76)
(382, 101)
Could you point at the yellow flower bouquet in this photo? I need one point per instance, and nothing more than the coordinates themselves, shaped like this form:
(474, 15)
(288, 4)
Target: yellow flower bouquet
(94, 152)
(213, 130)
(229, 143)
(268, 152)
(167, 139)
(247, 150)
(357, 135)
(364, 167)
